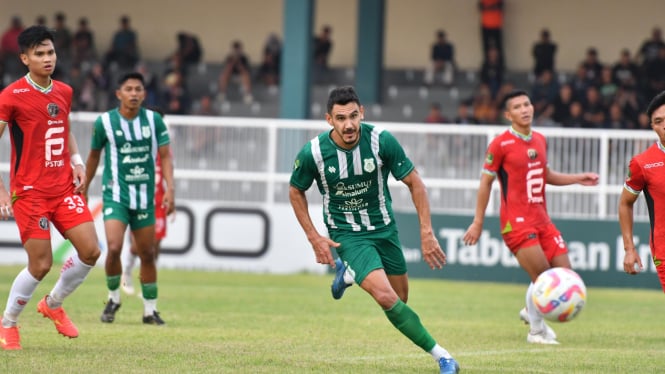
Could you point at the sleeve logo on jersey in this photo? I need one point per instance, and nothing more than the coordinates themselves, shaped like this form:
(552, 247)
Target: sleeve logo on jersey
(53, 109)
(369, 165)
(532, 153)
(296, 164)
(489, 159)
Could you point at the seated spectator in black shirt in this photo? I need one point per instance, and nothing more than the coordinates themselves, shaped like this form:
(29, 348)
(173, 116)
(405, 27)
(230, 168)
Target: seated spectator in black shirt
(236, 64)
(561, 104)
(443, 61)
(625, 72)
(322, 47)
(593, 66)
(575, 117)
(594, 110)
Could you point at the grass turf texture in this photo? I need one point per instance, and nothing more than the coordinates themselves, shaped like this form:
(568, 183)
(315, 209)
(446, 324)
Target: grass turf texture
(247, 323)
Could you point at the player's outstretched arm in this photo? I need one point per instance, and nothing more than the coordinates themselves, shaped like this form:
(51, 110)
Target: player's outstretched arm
(320, 244)
(632, 263)
(472, 233)
(562, 179)
(430, 247)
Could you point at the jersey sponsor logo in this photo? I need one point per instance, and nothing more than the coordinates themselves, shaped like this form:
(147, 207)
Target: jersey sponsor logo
(53, 109)
(55, 122)
(43, 223)
(135, 160)
(20, 90)
(353, 189)
(137, 174)
(507, 142)
(108, 211)
(369, 165)
(127, 148)
(654, 165)
(532, 153)
(532, 164)
(354, 204)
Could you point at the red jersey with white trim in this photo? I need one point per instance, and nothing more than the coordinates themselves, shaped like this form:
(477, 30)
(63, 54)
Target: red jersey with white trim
(646, 173)
(38, 120)
(520, 164)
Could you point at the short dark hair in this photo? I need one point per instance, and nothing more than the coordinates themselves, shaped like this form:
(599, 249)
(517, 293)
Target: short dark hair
(133, 75)
(342, 96)
(33, 36)
(655, 103)
(513, 94)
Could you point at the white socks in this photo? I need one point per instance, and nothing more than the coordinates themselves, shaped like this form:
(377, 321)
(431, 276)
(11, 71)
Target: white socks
(439, 352)
(19, 295)
(536, 322)
(71, 276)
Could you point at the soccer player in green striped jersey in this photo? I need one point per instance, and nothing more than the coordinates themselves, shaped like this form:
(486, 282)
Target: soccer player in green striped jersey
(351, 164)
(131, 136)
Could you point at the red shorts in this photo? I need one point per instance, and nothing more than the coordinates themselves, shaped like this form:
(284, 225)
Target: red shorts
(160, 221)
(33, 214)
(547, 236)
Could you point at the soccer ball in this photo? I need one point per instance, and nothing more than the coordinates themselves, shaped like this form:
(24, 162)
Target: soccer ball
(559, 294)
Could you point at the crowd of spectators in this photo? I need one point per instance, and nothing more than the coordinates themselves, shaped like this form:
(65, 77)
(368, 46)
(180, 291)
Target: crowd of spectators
(599, 94)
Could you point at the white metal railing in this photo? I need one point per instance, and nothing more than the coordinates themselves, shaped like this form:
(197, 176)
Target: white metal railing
(248, 161)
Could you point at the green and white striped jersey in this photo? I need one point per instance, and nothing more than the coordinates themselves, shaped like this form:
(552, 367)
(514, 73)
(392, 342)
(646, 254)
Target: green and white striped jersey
(353, 183)
(130, 148)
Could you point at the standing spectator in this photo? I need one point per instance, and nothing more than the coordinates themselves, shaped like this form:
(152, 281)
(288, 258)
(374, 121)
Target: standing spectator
(654, 73)
(63, 38)
(649, 49)
(236, 64)
(491, 73)
(625, 72)
(40, 20)
(322, 47)
(9, 48)
(84, 49)
(442, 57)
(189, 49)
(491, 23)
(435, 115)
(124, 48)
(543, 53)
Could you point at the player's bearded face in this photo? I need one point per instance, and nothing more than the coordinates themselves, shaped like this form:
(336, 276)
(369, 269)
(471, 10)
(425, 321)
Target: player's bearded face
(40, 59)
(345, 120)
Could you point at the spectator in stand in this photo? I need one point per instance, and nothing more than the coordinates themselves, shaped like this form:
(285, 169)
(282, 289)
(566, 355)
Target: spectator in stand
(203, 138)
(544, 52)
(269, 69)
(83, 50)
(625, 72)
(124, 48)
(608, 88)
(561, 105)
(273, 45)
(464, 115)
(575, 117)
(189, 49)
(593, 66)
(649, 49)
(236, 64)
(616, 120)
(594, 110)
(543, 92)
(443, 60)
(9, 48)
(579, 83)
(94, 90)
(654, 74)
(491, 73)
(151, 86)
(435, 115)
(630, 103)
(491, 27)
(63, 38)
(175, 98)
(484, 106)
(40, 20)
(322, 47)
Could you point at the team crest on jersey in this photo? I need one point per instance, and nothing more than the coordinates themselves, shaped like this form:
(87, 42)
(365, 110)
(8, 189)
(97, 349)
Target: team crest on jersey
(145, 131)
(43, 223)
(532, 153)
(53, 109)
(369, 165)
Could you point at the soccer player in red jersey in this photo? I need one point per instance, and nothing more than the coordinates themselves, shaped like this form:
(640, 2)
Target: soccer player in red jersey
(518, 158)
(46, 177)
(646, 172)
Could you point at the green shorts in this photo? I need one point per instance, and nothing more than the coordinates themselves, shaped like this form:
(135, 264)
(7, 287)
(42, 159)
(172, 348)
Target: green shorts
(364, 252)
(135, 218)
